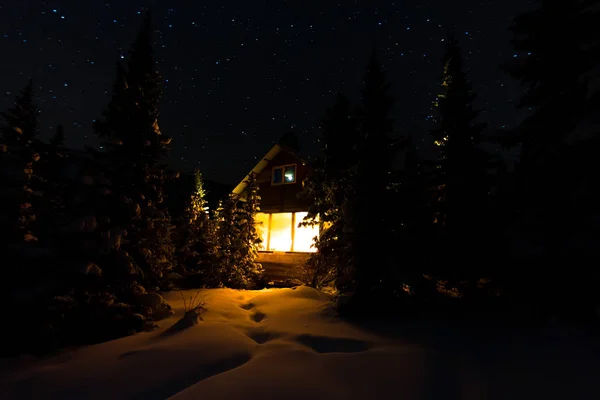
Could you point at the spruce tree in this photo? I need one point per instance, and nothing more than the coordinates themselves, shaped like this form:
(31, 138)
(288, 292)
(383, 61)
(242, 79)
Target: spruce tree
(556, 92)
(238, 239)
(21, 184)
(145, 88)
(462, 170)
(337, 141)
(106, 128)
(130, 123)
(560, 103)
(458, 137)
(247, 271)
(135, 152)
(198, 247)
(413, 218)
(20, 122)
(559, 96)
(325, 187)
(226, 233)
(369, 191)
(557, 169)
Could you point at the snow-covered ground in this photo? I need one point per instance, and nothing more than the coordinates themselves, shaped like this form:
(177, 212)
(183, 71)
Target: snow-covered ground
(289, 344)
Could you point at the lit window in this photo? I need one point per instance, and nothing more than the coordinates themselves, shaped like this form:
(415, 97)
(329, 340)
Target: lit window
(284, 174)
(304, 235)
(281, 232)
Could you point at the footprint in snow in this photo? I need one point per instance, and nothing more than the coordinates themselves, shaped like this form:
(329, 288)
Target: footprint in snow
(260, 336)
(258, 316)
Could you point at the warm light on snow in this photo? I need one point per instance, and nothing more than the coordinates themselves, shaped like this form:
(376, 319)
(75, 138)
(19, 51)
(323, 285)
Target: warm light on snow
(289, 344)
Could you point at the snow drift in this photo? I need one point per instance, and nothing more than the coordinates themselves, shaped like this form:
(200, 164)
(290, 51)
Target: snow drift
(289, 343)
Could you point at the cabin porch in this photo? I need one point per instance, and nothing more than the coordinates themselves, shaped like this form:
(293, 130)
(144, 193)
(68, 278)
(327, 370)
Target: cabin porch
(282, 268)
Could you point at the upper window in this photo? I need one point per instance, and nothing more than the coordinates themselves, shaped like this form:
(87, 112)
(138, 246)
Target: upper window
(284, 174)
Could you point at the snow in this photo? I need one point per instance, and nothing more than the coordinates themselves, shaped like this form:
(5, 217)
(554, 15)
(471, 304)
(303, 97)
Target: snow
(289, 343)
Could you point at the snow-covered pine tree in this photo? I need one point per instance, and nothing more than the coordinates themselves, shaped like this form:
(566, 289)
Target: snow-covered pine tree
(246, 272)
(135, 150)
(238, 239)
(225, 237)
(197, 231)
(325, 188)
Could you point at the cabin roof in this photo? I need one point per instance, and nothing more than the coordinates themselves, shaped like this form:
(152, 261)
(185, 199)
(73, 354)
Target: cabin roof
(288, 143)
(258, 168)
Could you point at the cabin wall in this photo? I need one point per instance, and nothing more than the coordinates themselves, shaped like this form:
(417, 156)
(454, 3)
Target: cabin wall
(280, 198)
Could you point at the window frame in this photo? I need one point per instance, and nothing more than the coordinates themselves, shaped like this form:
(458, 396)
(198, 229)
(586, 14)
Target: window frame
(267, 232)
(282, 168)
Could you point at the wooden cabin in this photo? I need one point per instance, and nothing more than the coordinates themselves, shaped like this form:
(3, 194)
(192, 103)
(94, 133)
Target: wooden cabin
(285, 245)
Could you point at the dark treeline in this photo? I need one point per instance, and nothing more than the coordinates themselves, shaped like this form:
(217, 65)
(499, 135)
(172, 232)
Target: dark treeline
(463, 233)
(89, 239)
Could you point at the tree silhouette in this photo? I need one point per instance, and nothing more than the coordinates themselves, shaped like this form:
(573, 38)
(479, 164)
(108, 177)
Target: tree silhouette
(20, 122)
(557, 169)
(130, 122)
(462, 174)
(370, 187)
(326, 189)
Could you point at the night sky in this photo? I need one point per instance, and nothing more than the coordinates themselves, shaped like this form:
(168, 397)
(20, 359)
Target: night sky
(241, 73)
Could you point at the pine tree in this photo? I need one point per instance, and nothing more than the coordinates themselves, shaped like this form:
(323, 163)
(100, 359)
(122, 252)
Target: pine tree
(113, 116)
(144, 84)
(414, 213)
(325, 187)
(462, 165)
(55, 158)
(136, 149)
(462, 170)
(56, 190)
(197, 230)
(247, 271)
(560, 102)
(560, 98)
(370, 188)
(238, 239)
(130, 123)
(556, 92)
(19, 132)
(20, 122)
(226, 234)
(557, 170)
